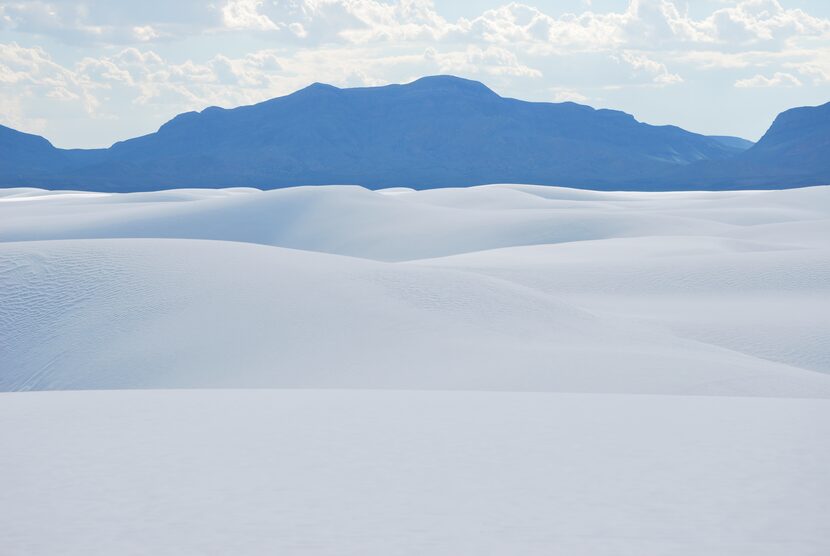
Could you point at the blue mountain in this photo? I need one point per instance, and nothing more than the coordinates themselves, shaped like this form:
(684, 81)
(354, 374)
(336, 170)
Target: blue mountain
(794, 152)
(434, 132)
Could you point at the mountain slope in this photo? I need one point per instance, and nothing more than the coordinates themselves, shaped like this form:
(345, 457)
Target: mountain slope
(796, 147)
(794, 152)
(433, 132)
(738, 143)
(25, 155)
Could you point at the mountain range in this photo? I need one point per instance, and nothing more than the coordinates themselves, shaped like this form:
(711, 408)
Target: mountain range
(437, 131)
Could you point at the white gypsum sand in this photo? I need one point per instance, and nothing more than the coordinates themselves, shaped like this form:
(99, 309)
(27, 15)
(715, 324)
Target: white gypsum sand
(460, 371)
(335, 472)
(484, 288)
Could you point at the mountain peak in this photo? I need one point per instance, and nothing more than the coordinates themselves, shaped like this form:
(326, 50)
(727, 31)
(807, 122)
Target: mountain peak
(317, 87)
(450, 83)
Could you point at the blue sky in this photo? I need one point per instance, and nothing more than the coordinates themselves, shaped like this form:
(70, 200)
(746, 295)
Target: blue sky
(88, 73)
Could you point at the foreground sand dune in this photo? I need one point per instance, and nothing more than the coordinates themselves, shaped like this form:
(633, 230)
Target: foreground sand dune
(411, 473)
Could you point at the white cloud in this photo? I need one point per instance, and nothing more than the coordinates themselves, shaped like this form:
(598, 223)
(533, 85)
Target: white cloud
(760, 21)
(814, 65)
(30, 74)
(114, 67)
(298, 29)
(818, 72)
(474, 60)
(657, 70)
(245, 15)
(643, 25)
(778, 79)
(561, 94)
(109, 22)
(145, 33)
(518, 23)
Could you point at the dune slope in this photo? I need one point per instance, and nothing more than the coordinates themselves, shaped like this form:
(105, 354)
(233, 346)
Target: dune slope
(491, 288)
(409, 473)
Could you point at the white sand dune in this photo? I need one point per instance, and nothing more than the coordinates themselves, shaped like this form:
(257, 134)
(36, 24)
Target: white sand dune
(497, 288)
(411, 473)
(394, 324)
(350, 220)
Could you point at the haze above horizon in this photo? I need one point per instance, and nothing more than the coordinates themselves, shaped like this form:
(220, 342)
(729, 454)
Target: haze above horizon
(89, 73)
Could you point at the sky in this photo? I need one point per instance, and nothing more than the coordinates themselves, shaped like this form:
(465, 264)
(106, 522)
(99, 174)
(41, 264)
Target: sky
(88, 73)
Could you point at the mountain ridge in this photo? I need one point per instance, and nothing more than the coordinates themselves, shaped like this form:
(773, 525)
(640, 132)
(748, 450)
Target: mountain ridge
(436, 131)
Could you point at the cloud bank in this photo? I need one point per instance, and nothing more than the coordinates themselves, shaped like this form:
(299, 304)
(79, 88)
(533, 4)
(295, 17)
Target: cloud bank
(119, 64)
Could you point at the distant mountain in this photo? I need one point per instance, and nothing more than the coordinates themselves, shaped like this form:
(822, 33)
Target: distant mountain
(27, 159)
(794, 152)
(24, 156)
(434, 132)
(738, 143)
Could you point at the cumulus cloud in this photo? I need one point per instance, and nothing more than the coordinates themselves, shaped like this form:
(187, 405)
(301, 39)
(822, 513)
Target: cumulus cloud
(556, 56)
(818, 72)
(763, 21)
(643, 24)
(245, 14)
(778, 79)
(562, 94)
(474, 60)
(107, 22)
(658, 70)
(145, 33)
(31, 71)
